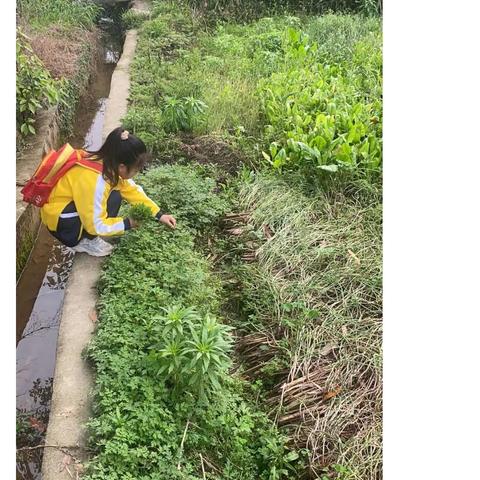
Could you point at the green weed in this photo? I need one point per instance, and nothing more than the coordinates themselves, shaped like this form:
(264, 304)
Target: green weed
(35, 87)
(192, 351)
(324, 118)
(140, 213)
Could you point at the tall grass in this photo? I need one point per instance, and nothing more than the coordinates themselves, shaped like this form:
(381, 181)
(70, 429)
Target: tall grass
(311, 301)
(337, 35)
(251, 9)
(69, 13)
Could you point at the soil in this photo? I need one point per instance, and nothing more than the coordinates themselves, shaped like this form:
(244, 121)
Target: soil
(209, 149)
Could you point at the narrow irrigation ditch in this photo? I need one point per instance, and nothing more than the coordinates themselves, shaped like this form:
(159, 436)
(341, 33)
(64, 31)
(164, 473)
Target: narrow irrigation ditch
(41, 285)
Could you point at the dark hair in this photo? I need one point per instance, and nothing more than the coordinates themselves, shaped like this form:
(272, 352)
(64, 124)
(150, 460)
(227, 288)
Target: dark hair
(132, 152)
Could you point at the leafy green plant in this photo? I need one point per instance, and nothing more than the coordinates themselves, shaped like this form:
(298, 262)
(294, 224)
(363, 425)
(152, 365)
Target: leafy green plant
(35, 87)
(324, 118)
(182, 114)
(193, 351)
(140, 213)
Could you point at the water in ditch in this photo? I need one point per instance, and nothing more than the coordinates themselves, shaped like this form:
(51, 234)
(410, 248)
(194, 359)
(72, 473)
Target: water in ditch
(41, 286)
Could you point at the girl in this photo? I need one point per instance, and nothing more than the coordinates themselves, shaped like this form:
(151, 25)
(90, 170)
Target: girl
(84, 204)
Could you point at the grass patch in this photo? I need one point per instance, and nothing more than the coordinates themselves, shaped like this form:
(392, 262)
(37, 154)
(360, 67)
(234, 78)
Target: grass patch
(308, 284)
(41, 14)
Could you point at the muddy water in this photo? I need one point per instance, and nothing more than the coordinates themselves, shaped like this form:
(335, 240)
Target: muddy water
(37, 345)
(41, 287)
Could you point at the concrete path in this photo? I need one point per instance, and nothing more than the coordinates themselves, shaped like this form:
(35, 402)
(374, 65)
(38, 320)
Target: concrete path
(72, 383)
(117, 102)
(73, 380)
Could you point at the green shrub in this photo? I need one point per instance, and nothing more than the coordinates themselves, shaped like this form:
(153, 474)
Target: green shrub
(35, 87)
(192, 351)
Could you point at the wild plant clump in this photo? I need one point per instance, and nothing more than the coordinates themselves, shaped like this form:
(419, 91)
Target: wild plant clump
(35, 86)
(192, 351)
(140, 213)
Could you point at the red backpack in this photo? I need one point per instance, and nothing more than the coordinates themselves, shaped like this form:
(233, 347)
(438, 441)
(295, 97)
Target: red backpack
(54, 165)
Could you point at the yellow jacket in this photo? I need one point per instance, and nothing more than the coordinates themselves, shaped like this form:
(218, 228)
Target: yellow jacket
(88, 189)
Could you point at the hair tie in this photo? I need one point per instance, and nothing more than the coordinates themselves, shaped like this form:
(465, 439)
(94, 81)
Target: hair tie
(124, 135)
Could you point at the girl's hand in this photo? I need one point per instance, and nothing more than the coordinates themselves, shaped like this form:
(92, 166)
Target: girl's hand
(168, 220)
(133, 223)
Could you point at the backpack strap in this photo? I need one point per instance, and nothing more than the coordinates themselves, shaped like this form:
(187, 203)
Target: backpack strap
(95, 165)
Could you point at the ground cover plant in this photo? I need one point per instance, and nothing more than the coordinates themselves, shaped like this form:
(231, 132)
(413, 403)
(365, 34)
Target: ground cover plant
(164, 405)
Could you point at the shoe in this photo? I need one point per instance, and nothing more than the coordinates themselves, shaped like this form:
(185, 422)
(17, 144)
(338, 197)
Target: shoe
(96, 247)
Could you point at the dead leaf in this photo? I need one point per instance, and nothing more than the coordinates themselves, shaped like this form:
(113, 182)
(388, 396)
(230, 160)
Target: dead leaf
(235, 231)
(333, 393)
(93, 315)
(355, 258)
(344, 330)
(37, 424)
(267, 231)
(327, 349)
(67, 460)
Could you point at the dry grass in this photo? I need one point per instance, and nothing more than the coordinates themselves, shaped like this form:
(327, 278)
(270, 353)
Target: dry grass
(60, 48)
(313, 295)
